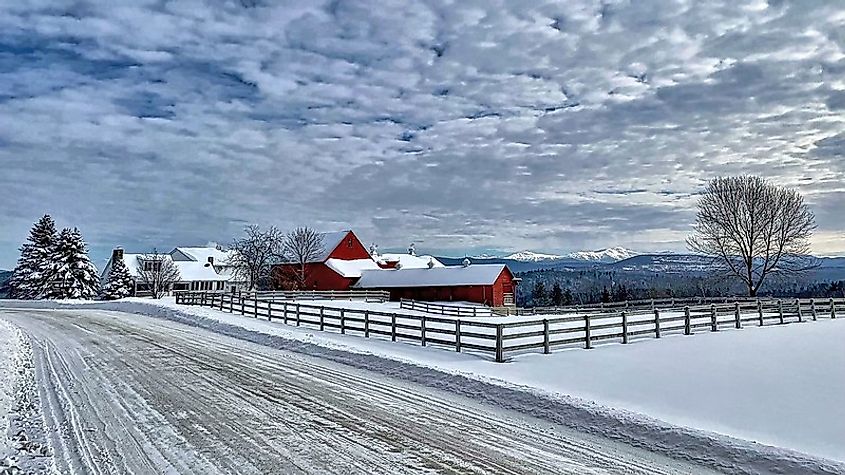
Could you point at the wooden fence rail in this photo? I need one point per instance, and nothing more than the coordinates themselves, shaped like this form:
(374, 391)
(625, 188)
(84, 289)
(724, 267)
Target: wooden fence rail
(363, 295)
(500, 336)
(444, 309)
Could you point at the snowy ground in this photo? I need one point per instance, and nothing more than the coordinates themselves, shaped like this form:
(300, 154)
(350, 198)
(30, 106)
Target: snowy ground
(23, 447)
(776, 385)
(126, 393)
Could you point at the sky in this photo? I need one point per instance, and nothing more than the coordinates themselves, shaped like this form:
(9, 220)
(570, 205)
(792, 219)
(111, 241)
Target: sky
(461, 125)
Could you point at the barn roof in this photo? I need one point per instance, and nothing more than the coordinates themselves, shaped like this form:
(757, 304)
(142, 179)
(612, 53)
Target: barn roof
(330, 242)
(410, 261)
(352, 268)
(475, 274)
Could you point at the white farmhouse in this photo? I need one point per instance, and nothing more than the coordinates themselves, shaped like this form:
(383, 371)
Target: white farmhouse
(200, 268)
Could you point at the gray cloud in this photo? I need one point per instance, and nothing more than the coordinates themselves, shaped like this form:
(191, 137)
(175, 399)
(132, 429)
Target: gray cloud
(471, 124)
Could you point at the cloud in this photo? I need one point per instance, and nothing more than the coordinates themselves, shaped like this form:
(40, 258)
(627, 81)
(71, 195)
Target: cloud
(476, 123)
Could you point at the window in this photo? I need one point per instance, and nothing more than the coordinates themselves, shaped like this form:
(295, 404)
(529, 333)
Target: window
(349, 243)
(152, 266)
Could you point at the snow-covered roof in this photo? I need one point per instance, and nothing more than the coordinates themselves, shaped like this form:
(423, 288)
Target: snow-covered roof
(410, 261)
(352, 268)
(475, 274)
(188, 270)
(330, 243)
(200, 254)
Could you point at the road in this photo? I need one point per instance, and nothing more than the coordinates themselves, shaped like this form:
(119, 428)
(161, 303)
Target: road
(124, 393)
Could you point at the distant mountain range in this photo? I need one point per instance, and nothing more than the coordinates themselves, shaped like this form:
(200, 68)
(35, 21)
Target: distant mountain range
(621, 260)
(613, 254)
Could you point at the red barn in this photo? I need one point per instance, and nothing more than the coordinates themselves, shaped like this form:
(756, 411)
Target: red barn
(488, 284)
(336, 268)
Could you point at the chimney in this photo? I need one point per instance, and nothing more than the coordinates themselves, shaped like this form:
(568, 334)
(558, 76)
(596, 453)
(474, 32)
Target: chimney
(466, 262)
(210, 262)
(117, 254)
(431, 263)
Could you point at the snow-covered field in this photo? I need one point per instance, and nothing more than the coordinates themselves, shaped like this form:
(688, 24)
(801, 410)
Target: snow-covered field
(779, 385)
(9, 347)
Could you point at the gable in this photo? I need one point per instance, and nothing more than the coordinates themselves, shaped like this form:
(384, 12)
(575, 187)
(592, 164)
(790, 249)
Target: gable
(348, 248)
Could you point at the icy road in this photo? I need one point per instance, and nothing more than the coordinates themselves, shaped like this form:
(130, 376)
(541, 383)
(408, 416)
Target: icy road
(126, 393)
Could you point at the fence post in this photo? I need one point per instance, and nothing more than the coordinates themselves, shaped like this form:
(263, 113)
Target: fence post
(588, 341)
(366, 323)
(243, 306)
(780, 310)
(297, 315)
(204, 295)
(546, 347)
(760, 311)
(422, 330)
(393, 327)
(656, 323)
(322, 320)
(737, 316)
(832, 308)
(687, 326)
(458, 336)
(221, 302)
(624, 327)
(500, 344)
(798, 308)
(342, 322)
(714, 326)
(813, 309)
(255, 302)
(269, 309)
(232, 303)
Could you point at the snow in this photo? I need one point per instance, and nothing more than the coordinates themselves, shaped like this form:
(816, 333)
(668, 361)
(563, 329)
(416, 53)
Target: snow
(531, 256)
(352, 268)
(476, 274)
(188, 270)
(410, 261)
(9, 347)
(779, 385)
(613, 254)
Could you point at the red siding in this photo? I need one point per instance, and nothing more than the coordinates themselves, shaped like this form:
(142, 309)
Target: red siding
(319, 277)
(492, 295)
(349, 249)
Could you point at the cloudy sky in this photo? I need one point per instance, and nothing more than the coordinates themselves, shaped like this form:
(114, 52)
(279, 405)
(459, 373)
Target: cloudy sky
(458, 124)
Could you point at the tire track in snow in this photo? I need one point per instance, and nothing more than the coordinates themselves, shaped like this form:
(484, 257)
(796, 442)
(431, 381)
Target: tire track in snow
(238, 407)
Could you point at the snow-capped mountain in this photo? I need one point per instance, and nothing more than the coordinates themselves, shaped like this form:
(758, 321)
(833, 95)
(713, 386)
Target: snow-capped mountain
(613, 254)
(531, 256)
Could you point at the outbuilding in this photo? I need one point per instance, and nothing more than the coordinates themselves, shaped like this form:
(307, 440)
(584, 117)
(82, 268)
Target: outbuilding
(488, 284)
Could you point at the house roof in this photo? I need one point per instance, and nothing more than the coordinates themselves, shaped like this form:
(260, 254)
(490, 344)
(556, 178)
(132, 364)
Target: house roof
(188, 270)
(409, 261)
(353, 268)
(201, 254)
(475, 274)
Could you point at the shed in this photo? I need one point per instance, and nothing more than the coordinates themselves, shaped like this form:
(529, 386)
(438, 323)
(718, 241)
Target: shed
(488, 284)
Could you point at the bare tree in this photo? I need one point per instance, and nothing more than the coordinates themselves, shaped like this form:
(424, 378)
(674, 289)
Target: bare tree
(254, 254)
(158, 272)
(301, 247)
(753, 229)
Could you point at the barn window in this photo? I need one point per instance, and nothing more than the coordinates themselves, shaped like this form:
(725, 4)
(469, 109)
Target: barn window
(349, 243)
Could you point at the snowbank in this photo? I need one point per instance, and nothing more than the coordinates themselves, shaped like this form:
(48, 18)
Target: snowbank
(23, 446)
(9, 347)
(774, 385)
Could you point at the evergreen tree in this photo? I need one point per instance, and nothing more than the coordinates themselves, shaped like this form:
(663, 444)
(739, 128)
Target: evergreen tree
(120, 283)
(31, 276)
(73, 274)
(605, 295)
(557, 295)
(538, 295)
(568, 299)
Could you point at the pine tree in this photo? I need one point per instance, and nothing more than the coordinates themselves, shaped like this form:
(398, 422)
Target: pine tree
(73, 274)
(538, 295)
(120, 283)
(557, 295)
(31, 276)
